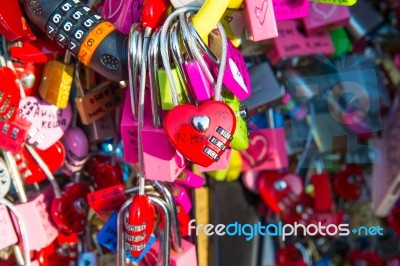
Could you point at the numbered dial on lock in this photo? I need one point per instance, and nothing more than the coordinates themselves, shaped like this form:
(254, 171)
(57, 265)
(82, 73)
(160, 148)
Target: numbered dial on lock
(9, 94)
(139, 224)
(201, 134)
(70, 210)
(5, 180)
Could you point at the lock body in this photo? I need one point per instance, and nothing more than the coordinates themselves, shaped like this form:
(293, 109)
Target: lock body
(56, 83)
(9, 237)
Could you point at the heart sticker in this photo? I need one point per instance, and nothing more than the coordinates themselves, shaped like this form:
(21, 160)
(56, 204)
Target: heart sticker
(202, 143)
(48, 122)
(324, 10)
(257, 152)
(261, 12)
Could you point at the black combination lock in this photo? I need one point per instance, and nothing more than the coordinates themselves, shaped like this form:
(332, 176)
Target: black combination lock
(90, 38)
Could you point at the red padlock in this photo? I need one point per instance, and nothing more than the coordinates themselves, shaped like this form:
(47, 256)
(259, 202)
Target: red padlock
(41, 50)
(13, 25)
(366, 258)
(348, 182)
(289, 256)
(278, 191)
(10, 94)
(29, 169)
(323, 201)
(29, 75)
(103, 173)
(69, 212)
(154, 13)
(393, 219)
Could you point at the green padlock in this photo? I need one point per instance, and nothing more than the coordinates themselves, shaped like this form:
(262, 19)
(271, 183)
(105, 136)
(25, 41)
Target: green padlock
(341, 41)
(241, 136)
(165, 88)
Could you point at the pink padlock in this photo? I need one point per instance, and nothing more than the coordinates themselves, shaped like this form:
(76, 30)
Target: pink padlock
(223, 163)
(266, 151)
(7, 232)
(181, 197)
(236, 76)
(129, 134)
(77, 147)
(285, 10)
(260, 20)
(189, 179)
(291, 43)
(161, 161)
(325, 17)
(122, 13)
(36, 213)
(187, 257)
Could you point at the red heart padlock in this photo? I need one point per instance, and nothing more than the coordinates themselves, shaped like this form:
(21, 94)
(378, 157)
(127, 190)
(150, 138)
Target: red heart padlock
(54, 157)
(103, 173)
(279, 191)
(9, 94)
(348, 182)
(289, 256)
(69, 212)
(29, 75)
(393, 219)
(366, 258)
(139, 224)
(300, 210)
(13, 25)
(201, 134)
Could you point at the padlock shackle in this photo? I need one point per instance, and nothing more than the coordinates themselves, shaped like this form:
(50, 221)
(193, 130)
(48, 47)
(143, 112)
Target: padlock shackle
(153, 83)
(134, 53)
(16, 176)
(175, 232)
(23, 230)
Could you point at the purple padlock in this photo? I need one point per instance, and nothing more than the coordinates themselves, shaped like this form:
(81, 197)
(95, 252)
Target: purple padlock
(122, 13)
(77, 148)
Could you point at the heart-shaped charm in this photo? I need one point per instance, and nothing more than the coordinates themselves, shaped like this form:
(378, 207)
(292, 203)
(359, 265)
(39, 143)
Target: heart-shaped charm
(139, 224)
(48, 122)
(201, 134)
(54, 157)
(9, 94)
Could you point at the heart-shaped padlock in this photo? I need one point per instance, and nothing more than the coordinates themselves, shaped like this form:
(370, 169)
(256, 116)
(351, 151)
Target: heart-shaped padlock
(201, 134)
(9, 94)
(103, 173)
(278, 191)
(139, 224)
(70, 210)
(30, 170)
(289, 256)
(48, 122)
(348, 182)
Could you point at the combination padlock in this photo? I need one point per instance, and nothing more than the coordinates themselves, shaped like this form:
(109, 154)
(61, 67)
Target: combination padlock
(279, 192)
(74, 26)
(10, 95)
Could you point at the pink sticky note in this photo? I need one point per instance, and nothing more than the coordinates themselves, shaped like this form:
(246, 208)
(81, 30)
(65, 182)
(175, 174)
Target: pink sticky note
(260, 20)
(285, 9)
(324, 17)
(292, 43)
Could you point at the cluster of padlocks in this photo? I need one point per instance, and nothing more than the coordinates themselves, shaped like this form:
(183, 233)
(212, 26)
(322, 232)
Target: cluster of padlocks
(118, 118)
